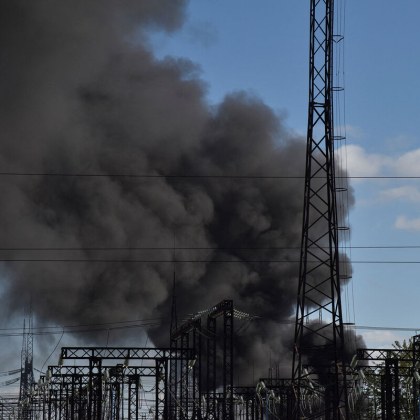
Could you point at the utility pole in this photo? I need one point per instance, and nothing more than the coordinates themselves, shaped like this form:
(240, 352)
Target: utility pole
(318, 356)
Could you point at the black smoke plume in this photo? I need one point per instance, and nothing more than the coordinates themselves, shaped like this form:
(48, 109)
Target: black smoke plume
(83, 94)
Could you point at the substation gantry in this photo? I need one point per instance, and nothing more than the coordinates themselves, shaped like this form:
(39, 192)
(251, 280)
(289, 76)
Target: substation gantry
(397, 373)
(192, 379)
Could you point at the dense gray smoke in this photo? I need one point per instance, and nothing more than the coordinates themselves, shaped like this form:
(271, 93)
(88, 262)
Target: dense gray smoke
(83, 94)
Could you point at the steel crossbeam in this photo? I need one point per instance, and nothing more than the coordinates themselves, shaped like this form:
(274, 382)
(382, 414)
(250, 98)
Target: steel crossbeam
(378, 370)
(70, 371)
(381, 355)
(277, 382)
(133, 353)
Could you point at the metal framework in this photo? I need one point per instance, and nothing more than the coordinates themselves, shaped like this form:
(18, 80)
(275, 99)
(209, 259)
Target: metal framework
(220, 408)
(122, 353)
(319, 325)
(111, 394)
(185, 396)
(195, 394)
(27, 373)
(391, 365)
(193, 379)
(381, 355)
(74, 392)
(391, 390)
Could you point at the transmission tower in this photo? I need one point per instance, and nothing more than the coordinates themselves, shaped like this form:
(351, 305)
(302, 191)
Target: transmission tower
(27, 373)
(318, 357)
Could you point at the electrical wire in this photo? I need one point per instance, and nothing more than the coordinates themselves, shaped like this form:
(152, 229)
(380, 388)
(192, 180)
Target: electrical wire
(183, 176)
(87, 325)
(55, 348)
(90, 330)
(203, 333)
(150, 321)
(202, 261)
(186, 248)
(10, 372)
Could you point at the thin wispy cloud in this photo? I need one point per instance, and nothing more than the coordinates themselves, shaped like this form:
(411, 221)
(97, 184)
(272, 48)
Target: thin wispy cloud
(404, 223)
(405, 192)
(408, 164)
(361, 163)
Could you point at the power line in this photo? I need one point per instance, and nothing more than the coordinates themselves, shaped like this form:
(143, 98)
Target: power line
(181, 176)
(90, 330)
(165, 248)
(368, 327)
(147, 176)
(39, 330)
(79, 331)
(106, 260)
(87, 325)
(287, 322)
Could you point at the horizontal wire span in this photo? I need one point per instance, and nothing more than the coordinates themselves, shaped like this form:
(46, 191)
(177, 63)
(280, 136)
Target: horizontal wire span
(60, 330)
(147, 320)
(151, 176)
(368, 327)
(89, 330)
(164, 248)
(96, 260)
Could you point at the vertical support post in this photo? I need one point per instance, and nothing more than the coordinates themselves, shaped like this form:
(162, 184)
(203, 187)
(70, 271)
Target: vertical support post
(392, 390)
(383, 398)
(133, 396)
(416, 384)
(81, 399)
(228, 360)
(184, 400)
(211, 368)
(95, 388)
(173, 382)
(197, 368)
(161, 389)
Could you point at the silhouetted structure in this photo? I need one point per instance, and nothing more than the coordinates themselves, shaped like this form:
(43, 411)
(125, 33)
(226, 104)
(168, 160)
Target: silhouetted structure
(27, 372)
(319, 324)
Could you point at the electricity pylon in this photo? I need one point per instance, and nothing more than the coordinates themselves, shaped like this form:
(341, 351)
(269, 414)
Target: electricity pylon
(318, 357)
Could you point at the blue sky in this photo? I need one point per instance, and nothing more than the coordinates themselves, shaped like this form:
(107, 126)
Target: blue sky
(262, 47)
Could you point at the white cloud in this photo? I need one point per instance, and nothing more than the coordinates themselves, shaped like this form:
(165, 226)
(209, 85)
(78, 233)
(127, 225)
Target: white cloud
(408, 164)
(404, 223)
(408, 192)
(360, 163)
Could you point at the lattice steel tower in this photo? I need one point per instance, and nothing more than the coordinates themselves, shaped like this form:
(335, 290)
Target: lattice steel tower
(318, 357)
(27, 373)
